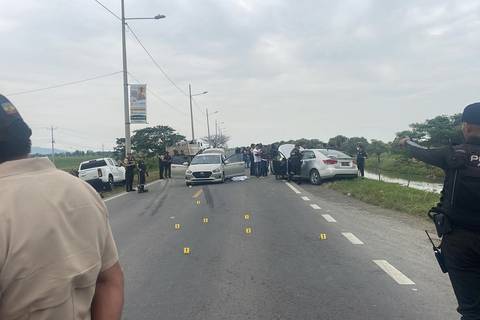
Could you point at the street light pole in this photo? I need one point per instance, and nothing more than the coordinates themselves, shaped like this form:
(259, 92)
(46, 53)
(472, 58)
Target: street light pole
(125, 85)
(191, 111)
(208, 130)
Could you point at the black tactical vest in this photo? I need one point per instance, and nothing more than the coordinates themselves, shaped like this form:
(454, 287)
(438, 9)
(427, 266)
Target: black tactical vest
(461, 195)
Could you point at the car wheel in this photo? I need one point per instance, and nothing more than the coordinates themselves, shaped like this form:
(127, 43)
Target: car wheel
(109, 184)
(315, 177)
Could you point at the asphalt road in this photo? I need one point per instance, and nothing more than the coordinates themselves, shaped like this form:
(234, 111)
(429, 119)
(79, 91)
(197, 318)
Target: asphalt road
(311, 254)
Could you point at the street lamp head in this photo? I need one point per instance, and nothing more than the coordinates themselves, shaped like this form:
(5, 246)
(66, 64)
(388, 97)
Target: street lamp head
(159, 16)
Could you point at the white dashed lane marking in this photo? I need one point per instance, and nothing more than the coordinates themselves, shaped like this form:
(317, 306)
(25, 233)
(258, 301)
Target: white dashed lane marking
(328, 217)
(393, 272)
(315, 206)
(293, 188)
(352, 238)
(306, 198)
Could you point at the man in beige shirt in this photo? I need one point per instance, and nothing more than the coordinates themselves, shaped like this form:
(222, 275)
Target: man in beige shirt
(58, 259)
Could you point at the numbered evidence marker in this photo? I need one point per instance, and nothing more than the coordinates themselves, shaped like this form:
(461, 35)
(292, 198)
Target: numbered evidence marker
(248, 230)
(205, 220)
(247, 216)
(177, 226)
(186, 250)
(323, 236)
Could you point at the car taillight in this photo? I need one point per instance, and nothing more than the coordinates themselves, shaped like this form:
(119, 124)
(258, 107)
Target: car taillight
(330, 161)
(100, 174)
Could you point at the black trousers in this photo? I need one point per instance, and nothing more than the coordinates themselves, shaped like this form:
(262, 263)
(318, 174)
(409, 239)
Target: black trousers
(361, 167)
(461, 249)
(161, 168)
(168, 170)
(129, 180)
(252, 167)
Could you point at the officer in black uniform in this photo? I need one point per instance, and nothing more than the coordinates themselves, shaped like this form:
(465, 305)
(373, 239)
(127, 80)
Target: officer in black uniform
(294, 162)
(129, 165)
(361, 156)
(142, 174)
(457, 216)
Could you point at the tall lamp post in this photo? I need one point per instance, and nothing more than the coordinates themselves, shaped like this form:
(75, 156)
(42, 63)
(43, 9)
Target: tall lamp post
(208, 127)
(191, 109)
(125, 76)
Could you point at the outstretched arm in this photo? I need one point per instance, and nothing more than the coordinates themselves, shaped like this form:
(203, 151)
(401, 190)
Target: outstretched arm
(433, 156)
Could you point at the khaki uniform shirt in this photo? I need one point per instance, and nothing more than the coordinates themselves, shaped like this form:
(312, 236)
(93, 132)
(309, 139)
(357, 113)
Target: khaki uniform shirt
(54, 241)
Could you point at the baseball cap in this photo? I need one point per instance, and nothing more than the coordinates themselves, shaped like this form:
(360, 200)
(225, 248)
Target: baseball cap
(12, 126)
(471, 114)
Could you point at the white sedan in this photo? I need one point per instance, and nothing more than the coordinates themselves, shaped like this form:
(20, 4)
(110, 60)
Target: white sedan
(214, 167)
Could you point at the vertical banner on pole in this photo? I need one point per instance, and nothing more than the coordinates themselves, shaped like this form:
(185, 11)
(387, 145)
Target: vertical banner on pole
(138, 103)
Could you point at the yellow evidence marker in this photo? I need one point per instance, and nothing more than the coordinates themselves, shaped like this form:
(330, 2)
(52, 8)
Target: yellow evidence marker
(248, 230)
(205, 220)
(323, 236)
(186, 250)
(247, 216)
(177, 226)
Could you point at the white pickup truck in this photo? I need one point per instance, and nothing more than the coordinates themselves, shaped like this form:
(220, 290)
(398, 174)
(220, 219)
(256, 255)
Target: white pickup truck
(101, 173)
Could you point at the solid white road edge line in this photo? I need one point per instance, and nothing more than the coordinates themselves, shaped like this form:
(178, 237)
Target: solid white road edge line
(124, 193)
(306, 198)
(352, 238)
(393, 272)
(315, 206)
(328, 217)
(293, 188)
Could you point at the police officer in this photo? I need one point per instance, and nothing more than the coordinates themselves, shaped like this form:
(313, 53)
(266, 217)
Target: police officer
(457, 216)
(295, 160)
(129, 164)
(167, 160)
(142, 174)
(58, 259)
(361, 157)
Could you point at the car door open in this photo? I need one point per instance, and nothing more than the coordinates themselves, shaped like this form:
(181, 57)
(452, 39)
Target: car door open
(234, 165)
(179, 167)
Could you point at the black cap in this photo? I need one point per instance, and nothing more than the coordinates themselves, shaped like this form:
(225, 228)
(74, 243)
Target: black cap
(471, 114)
(12, 126)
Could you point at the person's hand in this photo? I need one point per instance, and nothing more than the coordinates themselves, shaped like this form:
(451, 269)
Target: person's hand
(403, 141)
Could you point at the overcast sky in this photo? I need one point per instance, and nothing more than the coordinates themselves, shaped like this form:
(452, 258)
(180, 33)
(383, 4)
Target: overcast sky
(274, 69)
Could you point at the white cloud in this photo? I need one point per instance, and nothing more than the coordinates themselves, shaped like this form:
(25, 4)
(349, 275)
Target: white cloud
(275, 69)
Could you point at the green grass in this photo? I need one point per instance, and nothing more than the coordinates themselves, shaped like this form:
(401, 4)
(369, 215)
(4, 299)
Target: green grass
(70, 163)
(394, 166)
(388, 195)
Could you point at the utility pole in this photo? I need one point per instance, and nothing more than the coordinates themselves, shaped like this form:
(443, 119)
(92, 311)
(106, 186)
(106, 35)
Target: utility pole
(53, 144)
(125, 85)
(208, 130)
(216, 133)
(191, 111)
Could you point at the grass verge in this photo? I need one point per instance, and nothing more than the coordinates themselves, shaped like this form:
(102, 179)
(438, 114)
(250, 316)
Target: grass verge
(395, 166)
(387, 195)
(152, 176)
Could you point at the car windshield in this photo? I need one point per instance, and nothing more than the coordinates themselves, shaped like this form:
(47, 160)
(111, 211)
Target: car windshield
(335, 154)
(93, 164)
(207, 159)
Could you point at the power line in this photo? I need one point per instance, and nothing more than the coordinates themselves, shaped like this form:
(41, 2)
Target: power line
(155, 62)
(110, 11)
(64, 84)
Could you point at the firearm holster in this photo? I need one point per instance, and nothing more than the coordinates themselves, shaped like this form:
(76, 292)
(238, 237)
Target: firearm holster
(441, 221)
